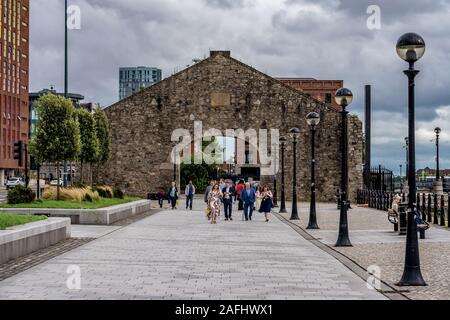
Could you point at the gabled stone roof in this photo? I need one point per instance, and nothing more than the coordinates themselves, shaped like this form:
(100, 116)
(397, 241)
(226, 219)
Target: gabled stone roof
(227, 55)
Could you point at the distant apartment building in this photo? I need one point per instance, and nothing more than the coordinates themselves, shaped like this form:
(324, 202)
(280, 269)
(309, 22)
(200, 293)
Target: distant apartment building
(34, 97)
(14, 81)
(323, 90)
(133, 79)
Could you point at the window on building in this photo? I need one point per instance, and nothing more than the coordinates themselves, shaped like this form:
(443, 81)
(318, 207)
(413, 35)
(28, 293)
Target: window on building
(328, 97)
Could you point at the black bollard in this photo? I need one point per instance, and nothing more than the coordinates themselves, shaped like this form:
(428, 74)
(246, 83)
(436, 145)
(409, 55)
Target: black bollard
(379, 200)
(429, 217)
(419, 208)
(442, 211)
(448, 210)
(424, 207)
(402, 219)
(436, 209)
(422, 234)
(391, 200)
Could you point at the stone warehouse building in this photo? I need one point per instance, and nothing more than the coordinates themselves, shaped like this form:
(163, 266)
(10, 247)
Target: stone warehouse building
(224, 93)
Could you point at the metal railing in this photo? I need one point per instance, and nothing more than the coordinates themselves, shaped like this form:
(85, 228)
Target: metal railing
(433, 208)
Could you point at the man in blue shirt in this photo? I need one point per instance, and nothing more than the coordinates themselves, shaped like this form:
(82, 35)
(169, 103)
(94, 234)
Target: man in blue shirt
(190, 193)
(249, 198)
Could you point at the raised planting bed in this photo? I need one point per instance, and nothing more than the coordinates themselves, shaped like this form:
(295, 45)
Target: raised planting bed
(12, 220)
(86, 216)
(53, 204)
(27, 238)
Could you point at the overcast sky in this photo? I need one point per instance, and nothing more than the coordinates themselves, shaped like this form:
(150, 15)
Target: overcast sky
(323, 39)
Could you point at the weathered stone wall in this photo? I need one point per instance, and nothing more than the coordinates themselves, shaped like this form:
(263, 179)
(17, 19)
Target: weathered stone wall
(142, 125)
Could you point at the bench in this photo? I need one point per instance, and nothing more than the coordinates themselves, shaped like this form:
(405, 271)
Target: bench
(393, 218)
(422, 227)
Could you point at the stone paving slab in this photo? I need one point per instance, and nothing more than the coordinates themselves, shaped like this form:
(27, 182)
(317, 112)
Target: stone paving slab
(179, 255)
(435, 265)
(84, 231)
(382, 247)
(328, 217)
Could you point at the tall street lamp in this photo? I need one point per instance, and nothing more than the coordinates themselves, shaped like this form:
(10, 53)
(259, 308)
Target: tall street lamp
(401, 178)
(275, 182)
(313, 119)
(295, 134)
(175, 159)
(411, 47)
(283, 141)
(344, 97)
(407, 156)
(66, 76)
(438, 132)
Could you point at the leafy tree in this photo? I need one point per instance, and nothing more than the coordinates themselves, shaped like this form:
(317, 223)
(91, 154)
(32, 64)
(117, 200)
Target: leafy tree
(89, 142)
(103, 136)
(201, 174)
(57, 137)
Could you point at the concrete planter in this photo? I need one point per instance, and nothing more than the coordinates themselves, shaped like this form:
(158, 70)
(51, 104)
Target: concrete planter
(104, 216)
(25, 239)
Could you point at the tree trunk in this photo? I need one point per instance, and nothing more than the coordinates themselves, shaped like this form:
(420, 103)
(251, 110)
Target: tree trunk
(57, 186)
(97, 172)
(90, 173)
(81, 172)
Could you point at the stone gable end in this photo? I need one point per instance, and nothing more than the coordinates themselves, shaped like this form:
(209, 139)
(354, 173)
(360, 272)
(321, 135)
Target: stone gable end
(223, 93)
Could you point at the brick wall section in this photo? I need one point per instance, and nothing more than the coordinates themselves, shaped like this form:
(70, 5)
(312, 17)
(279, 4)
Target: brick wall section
(142, 125)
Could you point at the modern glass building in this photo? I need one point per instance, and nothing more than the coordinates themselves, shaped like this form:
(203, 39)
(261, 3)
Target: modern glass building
(133, 79)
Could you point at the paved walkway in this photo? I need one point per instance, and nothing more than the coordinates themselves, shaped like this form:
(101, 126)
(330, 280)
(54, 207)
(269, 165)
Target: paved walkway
(375, 243)
(178, 255)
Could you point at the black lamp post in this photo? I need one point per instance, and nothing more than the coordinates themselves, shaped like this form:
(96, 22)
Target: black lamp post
(295, 134)
(401, 178)
(66, 76)
(411, 47)
(175, 159)
(438, 132)
(407, 157)
(313, 119)
(283, 141)
(275, 182)
(344, 97)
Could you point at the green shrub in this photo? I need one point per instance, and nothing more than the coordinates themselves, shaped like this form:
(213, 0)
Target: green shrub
(88, 198)
(104, 192)
(79, 185)
(21, 194)
(118, 193)
(71, 194)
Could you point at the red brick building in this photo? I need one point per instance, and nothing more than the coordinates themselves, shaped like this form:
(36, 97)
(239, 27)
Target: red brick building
(14, 79)
(324, 90)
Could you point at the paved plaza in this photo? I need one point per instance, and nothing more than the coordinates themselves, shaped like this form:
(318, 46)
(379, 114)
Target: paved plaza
(178, 255)
(375, 243)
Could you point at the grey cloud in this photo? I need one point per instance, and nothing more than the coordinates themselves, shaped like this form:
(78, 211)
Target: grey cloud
(328, 39)
(226, 4)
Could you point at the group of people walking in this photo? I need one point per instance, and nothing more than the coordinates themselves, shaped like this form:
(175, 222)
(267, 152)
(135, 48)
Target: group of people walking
(251, 197)
(224, 194)
(173, 196)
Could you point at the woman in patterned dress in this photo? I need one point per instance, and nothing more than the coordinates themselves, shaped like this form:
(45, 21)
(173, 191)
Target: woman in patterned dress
(215, 203)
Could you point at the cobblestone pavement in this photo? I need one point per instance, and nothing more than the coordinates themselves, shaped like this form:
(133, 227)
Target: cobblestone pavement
(179, 255)
(375, 243)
